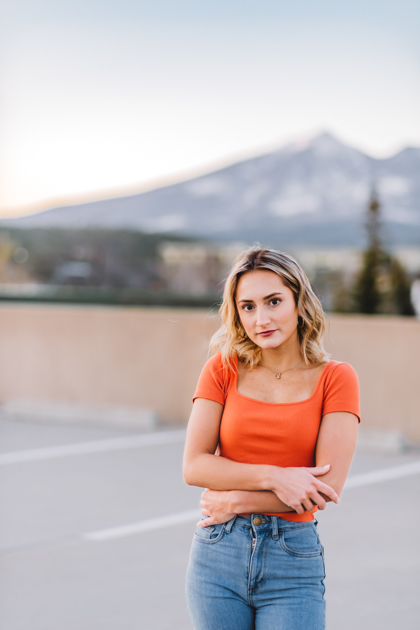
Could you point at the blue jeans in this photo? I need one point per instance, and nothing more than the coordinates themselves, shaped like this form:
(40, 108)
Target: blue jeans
(256, 573)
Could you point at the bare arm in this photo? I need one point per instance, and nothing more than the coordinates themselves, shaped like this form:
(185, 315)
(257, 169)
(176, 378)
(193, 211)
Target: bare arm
(220, 503)
(297, 488)
(335, 445)
(202, 467)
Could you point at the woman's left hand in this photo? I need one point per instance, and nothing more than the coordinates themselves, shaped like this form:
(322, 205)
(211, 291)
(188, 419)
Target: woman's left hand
(216, 504)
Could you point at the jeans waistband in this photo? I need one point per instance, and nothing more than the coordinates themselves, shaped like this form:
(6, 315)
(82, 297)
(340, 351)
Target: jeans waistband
(264, 523)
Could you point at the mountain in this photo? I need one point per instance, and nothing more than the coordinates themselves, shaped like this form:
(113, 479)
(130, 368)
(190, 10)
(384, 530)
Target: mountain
(305, 193)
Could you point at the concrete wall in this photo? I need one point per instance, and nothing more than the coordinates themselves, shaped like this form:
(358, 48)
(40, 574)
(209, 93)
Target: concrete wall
(385, 353)
(151, 358)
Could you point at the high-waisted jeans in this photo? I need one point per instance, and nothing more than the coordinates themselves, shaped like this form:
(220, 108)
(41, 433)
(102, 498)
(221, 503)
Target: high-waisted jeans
(256, 573)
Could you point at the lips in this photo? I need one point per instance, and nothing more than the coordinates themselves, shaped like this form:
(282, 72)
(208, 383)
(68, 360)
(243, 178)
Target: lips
(266, 333)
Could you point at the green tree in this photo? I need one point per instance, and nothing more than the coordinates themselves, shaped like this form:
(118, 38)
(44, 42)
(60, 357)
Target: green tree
(366, 293)
(382, 285)
(367, 296)
(400, 289)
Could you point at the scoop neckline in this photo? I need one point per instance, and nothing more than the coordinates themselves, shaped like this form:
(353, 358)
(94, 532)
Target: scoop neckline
(296, 402)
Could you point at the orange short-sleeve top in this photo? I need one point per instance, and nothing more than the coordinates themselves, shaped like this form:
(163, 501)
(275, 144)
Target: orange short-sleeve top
(279, 434)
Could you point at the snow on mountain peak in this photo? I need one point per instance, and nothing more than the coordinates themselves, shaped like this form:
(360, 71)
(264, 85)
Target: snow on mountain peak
(326, 145)
(312, 190)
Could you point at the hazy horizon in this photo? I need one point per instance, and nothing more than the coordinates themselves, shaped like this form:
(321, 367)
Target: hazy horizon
(101, 100)
(168, 180)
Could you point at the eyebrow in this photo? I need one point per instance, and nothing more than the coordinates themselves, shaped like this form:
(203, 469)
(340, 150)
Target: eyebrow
(267, 297)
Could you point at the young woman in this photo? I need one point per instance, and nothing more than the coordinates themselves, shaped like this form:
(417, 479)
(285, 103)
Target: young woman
(283, 419)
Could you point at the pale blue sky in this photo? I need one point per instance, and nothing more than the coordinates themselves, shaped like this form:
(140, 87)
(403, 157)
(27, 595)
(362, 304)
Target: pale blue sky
(101, 97)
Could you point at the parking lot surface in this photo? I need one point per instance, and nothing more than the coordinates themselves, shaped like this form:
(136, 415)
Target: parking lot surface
(97, 523)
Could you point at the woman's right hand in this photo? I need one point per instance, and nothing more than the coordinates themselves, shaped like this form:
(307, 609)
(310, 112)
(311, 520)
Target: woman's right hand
(301, 489)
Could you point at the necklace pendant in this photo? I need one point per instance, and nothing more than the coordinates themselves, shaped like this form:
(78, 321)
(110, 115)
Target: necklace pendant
(278, 375)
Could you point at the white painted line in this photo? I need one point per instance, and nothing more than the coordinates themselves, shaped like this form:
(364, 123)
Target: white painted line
(384, 474)
(365, 479)
(99, 446)
(144, 526)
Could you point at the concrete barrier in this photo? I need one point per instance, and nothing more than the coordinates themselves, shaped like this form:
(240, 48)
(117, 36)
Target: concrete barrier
(384, 351)
(139, 359)
(77, 413)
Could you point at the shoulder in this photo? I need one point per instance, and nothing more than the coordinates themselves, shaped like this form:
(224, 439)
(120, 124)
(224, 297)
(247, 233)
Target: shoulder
(339, 371)
(215, 362)
(218, 370)
(215, 378)
(217, 365)
(341, 389)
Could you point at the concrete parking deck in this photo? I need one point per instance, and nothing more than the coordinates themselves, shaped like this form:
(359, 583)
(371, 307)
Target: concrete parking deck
(97, 524)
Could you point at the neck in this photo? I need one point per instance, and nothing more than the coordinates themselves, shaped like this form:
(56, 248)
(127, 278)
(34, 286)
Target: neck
(280, 359)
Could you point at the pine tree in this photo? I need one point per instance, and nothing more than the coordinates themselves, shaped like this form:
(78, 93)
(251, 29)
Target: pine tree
(383, 285)
(366, 294)
(400, 289)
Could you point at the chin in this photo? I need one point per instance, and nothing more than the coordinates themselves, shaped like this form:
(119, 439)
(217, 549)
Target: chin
(269, 343)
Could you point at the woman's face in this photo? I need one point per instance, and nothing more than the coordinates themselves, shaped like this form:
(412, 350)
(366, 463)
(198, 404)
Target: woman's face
(267, 309)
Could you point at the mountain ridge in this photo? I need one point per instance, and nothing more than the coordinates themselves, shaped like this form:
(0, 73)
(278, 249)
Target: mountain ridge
(306, 192)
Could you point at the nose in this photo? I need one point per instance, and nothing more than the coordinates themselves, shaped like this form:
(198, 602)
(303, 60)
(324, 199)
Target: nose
(262, 317)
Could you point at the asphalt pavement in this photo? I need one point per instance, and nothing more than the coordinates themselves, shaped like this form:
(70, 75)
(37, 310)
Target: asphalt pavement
(97, 523)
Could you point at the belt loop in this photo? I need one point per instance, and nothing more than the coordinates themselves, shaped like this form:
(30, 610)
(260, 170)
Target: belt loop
(229, 524)
(274, 528)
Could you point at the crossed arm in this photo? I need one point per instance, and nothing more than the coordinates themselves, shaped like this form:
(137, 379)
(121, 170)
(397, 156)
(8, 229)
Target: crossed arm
(236, 488)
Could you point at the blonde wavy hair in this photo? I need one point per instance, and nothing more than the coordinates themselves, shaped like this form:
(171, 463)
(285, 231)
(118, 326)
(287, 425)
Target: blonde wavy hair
(231, 340)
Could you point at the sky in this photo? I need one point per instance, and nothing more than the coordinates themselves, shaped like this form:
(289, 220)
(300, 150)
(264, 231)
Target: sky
(102, 98)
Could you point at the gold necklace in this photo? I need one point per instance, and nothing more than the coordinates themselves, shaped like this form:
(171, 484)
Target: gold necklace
(278, 374)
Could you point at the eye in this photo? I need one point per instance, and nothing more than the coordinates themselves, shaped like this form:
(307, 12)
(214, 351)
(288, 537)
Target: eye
(275, 301)
(247, 307)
